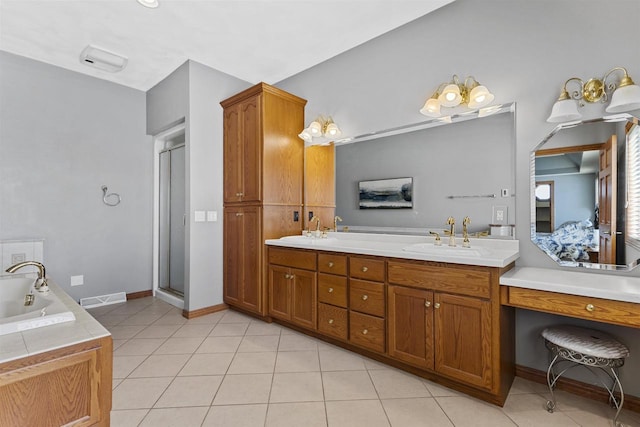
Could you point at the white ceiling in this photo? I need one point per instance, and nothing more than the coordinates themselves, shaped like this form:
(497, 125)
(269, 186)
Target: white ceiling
(254, 40)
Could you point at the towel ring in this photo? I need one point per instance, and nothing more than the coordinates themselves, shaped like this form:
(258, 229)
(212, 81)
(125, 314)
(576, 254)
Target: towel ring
(106, 196)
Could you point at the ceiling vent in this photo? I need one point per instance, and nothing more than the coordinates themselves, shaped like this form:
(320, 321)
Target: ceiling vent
(102, 59)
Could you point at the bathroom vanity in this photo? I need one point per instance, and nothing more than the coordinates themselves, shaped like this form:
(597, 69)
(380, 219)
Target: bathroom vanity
(59, 374)
(431, 310)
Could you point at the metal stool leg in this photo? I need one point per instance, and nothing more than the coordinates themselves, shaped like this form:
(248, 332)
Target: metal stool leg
(551, 382)
(618, 404)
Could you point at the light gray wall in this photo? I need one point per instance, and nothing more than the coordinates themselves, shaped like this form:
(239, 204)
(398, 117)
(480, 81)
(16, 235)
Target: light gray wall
(193, 92)
(440, 160)
(62, 136)
(523, 51)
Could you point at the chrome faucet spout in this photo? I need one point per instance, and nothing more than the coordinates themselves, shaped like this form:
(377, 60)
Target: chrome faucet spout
(41, 281)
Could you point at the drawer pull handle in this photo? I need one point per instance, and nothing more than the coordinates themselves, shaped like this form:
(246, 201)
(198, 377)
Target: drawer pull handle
(330, 290)
(331, 321)
(330, 264)
(289, 276)
(365, 331)
(365, 297)
(427, 304)
(239, 214)
(436, 305)
(364, 269)
(590, 307)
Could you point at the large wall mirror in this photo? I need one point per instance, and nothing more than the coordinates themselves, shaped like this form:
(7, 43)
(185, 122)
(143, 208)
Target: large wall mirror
(459, 166)
(585, 193)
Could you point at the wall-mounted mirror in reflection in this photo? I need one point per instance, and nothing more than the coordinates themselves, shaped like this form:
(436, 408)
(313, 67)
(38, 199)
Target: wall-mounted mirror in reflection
(586, 194)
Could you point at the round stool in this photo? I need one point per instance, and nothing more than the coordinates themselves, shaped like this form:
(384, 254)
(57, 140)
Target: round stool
(588, 348)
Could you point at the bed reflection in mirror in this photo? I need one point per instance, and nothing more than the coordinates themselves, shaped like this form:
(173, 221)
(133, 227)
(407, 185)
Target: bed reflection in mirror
(584, 196)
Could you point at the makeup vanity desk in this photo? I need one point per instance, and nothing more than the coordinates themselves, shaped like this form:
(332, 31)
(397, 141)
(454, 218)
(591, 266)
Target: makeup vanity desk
(597, 297)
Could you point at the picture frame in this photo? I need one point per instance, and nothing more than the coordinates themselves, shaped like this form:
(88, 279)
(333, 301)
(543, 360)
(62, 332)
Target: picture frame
(390, 193)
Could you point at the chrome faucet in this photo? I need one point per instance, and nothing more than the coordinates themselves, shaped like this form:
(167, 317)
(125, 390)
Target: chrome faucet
(335, 222)
(465, 234)
(452, 231)
(41, 281)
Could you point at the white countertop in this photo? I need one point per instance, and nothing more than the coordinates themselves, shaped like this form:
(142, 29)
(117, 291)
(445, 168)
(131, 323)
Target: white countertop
(607, 286)
(40, 340)
(483, 252)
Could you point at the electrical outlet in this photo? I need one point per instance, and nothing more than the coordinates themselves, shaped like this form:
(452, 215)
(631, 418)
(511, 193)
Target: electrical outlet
(500, 215)
(296, 216)
(310, 215)
(77, 280)
(16, 258)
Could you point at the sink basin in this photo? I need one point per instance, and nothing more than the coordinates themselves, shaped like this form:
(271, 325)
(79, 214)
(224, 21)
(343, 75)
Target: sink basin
(310, 240)
(431, 249)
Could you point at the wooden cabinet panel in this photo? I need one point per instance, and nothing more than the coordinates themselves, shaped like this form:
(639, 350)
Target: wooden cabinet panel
(251, 137)
(463, 339)
(596, 309)
(332, 289)
(232, 154)
(233, 255)
(367, 268)
(279, 292)
(332, 263)
(333, 321)
(462, 279)
(410, 323)
(303, 298)
(367, 331)
(292, 258)
(320, 176)
(367, 297)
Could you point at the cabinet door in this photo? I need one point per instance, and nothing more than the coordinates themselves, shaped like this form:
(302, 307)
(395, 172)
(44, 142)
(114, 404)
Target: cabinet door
(304, 298)
(251, 149)
(463, 338)
(232, 154)
(279, 292)
(252, 270)
(233, 255)
(410, 325)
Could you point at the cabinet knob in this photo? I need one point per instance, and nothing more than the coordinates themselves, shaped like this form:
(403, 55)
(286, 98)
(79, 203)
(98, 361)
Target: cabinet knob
(427, 304)
(330, 290)
(365, 297)
(590, 307)
(331, 321)
(436, 305)
(330, 264)
(238, 213)
(365, 331)
(364, 269)
(289, 276)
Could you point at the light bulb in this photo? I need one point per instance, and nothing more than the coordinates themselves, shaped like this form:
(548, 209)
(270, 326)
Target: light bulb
(315, 128)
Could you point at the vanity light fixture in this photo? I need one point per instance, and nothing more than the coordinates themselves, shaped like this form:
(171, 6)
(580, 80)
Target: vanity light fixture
(152, 4)
(469, 93)
(322, 127)
(624, 97)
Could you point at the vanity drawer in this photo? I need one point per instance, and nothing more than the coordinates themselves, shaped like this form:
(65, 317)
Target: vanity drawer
(461, 279)
(367, 331)
(332, 289)
(296, 258)
(332, 321)
(367, 268)
(366, 297)
(596, 309)
(332, 263)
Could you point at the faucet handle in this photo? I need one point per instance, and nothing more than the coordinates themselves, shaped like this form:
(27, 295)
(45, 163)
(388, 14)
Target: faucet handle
(466, 221)
(438, 240)
(451, 220)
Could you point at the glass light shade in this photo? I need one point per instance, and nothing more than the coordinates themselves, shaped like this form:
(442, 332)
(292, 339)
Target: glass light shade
(450, 96)
(564, 111)
(479, 97)
(305, 135)
(332, 130)
(431, 108)
(149, 3)
(315, 128)
(625, 98)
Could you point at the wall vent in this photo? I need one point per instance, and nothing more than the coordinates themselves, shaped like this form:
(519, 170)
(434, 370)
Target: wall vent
(103, 300)
(102, 59)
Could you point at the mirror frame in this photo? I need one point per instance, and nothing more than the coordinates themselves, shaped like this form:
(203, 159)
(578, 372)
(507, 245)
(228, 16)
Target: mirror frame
(532, 199)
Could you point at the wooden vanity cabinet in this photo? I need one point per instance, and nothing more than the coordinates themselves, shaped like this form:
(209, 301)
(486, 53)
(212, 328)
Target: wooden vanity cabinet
(333, 295)
(292, 286)
(263, 178)
(367, 325)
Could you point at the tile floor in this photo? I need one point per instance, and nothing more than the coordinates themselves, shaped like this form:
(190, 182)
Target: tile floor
(229, 370)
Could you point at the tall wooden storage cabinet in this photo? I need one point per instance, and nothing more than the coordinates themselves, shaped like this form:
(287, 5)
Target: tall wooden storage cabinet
(263, 185)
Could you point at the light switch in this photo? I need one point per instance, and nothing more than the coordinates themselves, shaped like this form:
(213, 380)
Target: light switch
(199, 216)
(212, 216)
